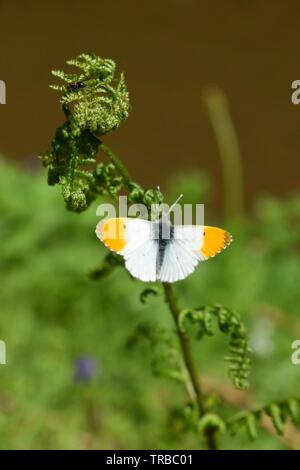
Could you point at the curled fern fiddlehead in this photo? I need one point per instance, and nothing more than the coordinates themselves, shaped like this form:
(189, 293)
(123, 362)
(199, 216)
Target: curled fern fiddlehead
(211, 421)
(71, 153)
(98, 100)
(229, 323)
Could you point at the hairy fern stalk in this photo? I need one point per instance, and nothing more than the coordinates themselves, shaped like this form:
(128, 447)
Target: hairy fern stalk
(95, 101)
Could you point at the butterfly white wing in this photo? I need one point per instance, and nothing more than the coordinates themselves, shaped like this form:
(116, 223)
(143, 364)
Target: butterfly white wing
(141, 262)
(190, 245)
(178, 262)
(131, 238)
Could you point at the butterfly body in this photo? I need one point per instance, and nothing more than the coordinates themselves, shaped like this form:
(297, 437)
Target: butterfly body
(159, 250)
(163, 233)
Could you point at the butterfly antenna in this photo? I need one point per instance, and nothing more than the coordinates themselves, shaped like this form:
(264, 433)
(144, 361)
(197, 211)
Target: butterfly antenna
(174, 204)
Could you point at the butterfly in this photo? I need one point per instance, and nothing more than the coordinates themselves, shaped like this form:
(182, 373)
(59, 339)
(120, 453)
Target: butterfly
(158, 250)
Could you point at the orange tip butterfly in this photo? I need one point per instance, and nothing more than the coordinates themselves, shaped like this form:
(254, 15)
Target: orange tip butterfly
(159, 250)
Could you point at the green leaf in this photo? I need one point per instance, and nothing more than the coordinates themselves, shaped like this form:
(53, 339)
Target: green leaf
(293, 408)
(275, 414)
(251, 426)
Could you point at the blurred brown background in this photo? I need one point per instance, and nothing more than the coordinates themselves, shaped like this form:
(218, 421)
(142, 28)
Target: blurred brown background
(170, 50)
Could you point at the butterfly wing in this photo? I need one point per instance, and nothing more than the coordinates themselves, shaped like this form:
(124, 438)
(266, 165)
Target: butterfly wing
(214, 240)
(191, 244)
(132, 239)
(178, 262)
(141, 262)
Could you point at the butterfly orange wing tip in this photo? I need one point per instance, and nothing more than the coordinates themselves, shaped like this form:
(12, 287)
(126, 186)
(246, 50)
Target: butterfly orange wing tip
(215, 240)
(112, 234)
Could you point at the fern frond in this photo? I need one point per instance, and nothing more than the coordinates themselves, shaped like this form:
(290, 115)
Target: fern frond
(279, 412)
(66, 160)
(101, 102)
(238, 359)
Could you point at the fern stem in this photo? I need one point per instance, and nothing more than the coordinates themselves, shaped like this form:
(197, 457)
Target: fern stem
(118, 163)
(210, 436)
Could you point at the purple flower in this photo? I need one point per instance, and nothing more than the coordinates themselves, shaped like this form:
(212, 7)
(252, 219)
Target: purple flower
(85, 369)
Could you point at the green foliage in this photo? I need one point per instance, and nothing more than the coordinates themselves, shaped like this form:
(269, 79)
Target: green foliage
(99, 101)
(110, 261)
(72, 151)
(279, 412)
(51, 313)
(211, 421)
(229, 323)
(71, 159)
(166, 360)
(94, 103)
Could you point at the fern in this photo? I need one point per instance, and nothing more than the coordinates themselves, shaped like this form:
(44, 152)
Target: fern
(238, 359)
(99, 101)
(95, 103)
(279, 412)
